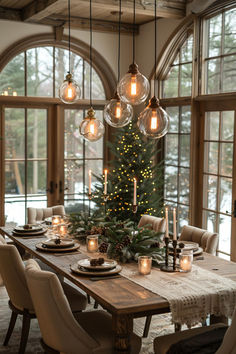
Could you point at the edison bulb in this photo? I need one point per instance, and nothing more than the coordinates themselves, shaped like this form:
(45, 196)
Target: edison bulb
(153, 122)
(69, 91)
(91, 128)
(118, 113)
(134, 87)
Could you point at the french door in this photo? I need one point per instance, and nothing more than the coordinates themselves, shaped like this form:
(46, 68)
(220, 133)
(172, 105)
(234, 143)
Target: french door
(218, 176)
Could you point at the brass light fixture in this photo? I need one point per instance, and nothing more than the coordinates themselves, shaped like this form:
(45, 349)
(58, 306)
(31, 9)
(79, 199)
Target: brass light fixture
(91, 128)
(118, 113)
(134, 87)
(153, 122)
(69, 91)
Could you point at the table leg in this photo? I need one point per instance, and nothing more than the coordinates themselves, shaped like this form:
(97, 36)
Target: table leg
(122, 328)
(216, 319)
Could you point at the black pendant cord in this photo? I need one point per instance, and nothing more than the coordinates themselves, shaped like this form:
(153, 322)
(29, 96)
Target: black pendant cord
(155, 53)
(118, 73)
(134, 33)
(69, 33)
(90, 51)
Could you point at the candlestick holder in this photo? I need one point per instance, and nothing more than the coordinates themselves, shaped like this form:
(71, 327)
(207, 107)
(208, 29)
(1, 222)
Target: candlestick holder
(135, 208)
(170, 267)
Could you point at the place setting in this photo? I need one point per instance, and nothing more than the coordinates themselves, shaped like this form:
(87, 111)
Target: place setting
(58, 245)
(96, 267)
(29, 230)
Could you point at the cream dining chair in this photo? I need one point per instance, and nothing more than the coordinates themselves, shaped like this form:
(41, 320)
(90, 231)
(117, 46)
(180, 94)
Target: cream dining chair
(87, 332)
(217, 339)
(157, 224)
(39, 214)
(12, 270)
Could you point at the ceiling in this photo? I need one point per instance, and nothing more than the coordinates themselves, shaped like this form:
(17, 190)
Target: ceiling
(104, 12)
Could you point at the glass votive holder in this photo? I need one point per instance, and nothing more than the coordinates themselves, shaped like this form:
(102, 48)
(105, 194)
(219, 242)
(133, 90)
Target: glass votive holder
(186, 260)
(92, 243)
(62, 229)
(144, 264)
(56, 220)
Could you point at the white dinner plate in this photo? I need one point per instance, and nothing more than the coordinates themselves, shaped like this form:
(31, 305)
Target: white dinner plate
(50, 243)
(108, 264)
(82, 271)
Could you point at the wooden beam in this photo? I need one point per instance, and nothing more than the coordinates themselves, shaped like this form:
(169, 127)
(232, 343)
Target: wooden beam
(10, 14)
(39, 9)
(197, 6)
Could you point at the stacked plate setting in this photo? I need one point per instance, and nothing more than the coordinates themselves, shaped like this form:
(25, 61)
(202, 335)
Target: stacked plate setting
(84, 267)
(57, 245)
(29, 230)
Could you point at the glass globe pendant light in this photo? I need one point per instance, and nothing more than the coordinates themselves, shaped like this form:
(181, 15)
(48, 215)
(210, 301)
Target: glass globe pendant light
(153, 122)
(134, 87)
(116, 112)
(69, 91)
(91, 128)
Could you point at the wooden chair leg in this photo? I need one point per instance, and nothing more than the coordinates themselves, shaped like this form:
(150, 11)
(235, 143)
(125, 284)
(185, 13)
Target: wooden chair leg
(24, 332)
(147, 326)
(88, 298)
(178, 327)
(95, 305)
(10, 327)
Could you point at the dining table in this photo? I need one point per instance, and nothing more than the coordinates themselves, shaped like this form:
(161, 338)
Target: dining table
(124, 299)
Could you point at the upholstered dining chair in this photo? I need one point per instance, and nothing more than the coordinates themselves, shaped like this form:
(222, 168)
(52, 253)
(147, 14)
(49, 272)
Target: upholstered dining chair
(216, 339)
(87, 332)
(39, 214)
(207, 240)
(157, 224)
(12, 270)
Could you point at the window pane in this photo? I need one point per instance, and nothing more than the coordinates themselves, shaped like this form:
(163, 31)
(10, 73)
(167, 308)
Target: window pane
(210, 192)
(183, 216)
(37, 133)
(230, 31)
(171, 183)
(14, 178)
(171, 83)
(73, 175)
(12, 77)
(211, 157)
(212, 125)
(184, 185)
(73, 143)
(227, 131)
(213, 76)
(229, 73)
(14, 133)
(209, 221)
(173, 113)
(40, 71)
(226, 159)
(171, 149)
(15, 210)
(185, 121)
(225, 195)
(186, 79)
(97, 87)
(214, 36)
(185, 150)
(224, 233)
(36, 177)
(186, 50)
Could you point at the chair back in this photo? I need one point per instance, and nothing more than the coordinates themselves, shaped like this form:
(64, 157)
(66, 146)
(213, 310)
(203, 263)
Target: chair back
(13, 274)
(207, 240)
(58, 326)
(228, 345)
(156, 224)
(39, 214)
(2, 242)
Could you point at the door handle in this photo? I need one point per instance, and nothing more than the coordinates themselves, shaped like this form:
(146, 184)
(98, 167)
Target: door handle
(234, 211)
(51, 187)
(61, 187)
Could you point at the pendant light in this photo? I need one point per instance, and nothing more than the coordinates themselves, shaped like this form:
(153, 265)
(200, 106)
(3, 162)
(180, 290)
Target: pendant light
(134, 87)
(69, 91)
(153, 122)
(116, 112)
(91, 128)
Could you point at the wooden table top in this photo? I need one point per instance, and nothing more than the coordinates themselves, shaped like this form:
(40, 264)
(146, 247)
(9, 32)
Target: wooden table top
(118, 296)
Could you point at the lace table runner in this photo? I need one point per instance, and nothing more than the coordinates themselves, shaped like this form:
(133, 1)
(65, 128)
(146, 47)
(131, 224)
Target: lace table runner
(192, 296)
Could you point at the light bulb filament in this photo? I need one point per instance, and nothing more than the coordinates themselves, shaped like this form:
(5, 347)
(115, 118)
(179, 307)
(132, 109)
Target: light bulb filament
(92, 128)
(118, 110)
(133, 85)
(69, 92)
(154, 121)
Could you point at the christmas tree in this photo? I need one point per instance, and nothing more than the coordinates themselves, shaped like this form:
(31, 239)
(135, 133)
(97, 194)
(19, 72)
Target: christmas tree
(132, 158)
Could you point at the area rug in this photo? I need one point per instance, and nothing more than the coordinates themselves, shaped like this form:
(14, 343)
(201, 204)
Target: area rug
(160, 325)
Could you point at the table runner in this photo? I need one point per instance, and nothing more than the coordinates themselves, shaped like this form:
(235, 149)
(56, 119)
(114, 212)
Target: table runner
(192, 296)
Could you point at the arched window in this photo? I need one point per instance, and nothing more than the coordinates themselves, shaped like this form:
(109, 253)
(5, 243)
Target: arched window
(46, 160)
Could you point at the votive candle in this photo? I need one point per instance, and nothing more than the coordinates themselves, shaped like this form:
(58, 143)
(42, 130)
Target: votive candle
(185, 260)
(62, 229)
(56, 219)
(144, 265)
(92, 243)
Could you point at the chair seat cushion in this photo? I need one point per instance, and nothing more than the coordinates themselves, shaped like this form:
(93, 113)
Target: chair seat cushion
(163, 344)
(98, 324)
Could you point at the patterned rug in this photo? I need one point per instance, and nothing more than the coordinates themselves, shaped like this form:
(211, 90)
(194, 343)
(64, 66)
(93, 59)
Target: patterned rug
(160, 325)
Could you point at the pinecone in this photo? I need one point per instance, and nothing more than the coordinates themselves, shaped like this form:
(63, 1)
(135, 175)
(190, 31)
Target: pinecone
(93, 262)
(119, 246)
(126, 240)
(155, 244)
(96, 230)
(103, 247)
(100, 261)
